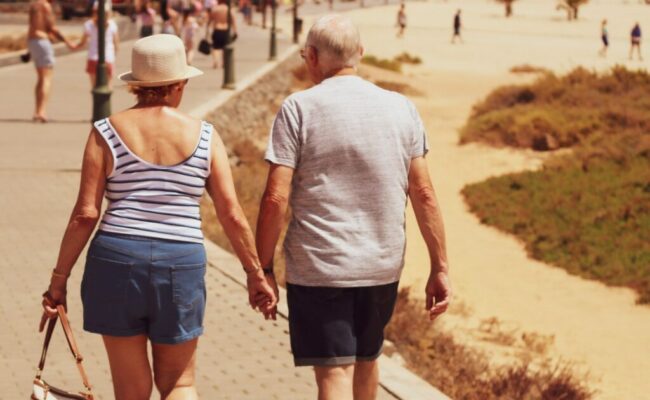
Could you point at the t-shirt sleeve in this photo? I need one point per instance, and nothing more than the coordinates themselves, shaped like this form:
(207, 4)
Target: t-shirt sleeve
(419, 140)
(284, 140)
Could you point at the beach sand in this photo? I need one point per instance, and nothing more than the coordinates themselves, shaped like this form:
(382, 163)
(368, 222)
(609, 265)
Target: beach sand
(598, 328)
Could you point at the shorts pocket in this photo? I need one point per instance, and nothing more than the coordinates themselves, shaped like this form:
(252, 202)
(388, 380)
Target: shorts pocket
(105, 281)
(188, 284)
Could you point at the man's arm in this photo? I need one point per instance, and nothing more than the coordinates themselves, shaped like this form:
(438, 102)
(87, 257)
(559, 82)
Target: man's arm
(427, 213)
(273, 209)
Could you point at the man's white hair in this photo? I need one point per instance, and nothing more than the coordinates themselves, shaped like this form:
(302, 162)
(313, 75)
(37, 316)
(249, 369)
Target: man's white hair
(337, 42)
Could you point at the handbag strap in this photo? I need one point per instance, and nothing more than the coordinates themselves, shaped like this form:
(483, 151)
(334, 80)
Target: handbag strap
(65, 323)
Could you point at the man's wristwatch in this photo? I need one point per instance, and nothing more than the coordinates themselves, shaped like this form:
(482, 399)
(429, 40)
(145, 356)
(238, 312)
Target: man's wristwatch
(268, 271)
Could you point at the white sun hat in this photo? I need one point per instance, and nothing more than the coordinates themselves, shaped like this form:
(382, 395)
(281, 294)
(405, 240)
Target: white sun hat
(159, 60)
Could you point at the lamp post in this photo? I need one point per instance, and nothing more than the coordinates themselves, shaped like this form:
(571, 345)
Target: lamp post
(273, 48)
(228, 55)
(101, 91)
(296, 28)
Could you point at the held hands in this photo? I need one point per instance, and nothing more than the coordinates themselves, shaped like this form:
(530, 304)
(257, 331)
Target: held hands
(438, 294)
(262, 293)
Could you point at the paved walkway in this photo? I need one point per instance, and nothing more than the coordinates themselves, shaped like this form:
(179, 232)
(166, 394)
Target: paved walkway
(240, 356)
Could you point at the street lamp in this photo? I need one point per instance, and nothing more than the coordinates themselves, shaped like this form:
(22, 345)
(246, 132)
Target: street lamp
(273, 48)
(101, 91)
(228, 55)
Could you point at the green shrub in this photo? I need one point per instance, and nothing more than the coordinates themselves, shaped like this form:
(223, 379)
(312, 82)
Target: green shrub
(391, 65)
(555, 112)
(588, 213)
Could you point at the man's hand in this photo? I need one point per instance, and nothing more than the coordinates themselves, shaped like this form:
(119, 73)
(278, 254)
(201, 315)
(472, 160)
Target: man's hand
(270, 312)
(261, 295)
(438, 293)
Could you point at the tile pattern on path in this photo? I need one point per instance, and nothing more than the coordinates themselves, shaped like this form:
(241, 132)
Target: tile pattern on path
(240, 356)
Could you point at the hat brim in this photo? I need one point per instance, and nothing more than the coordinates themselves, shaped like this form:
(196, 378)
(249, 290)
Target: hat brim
(190, 72)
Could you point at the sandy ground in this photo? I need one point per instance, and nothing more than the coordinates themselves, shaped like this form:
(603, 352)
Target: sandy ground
(598, 328)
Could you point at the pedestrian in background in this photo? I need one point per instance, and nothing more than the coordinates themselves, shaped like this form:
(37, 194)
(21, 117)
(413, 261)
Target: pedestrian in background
(144, 279)
(635, 41)
(188, 33)
(457, 27)
(218, 22)
(401, 20)
(42, 30)
(346, 155)
(147, 16)
(604, 37)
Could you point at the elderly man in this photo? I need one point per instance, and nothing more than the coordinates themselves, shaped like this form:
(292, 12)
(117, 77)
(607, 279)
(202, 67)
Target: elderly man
(346, 154)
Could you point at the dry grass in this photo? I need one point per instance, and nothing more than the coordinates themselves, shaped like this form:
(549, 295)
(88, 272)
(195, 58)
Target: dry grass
(9, 43)
(528, 69)
(464, 373)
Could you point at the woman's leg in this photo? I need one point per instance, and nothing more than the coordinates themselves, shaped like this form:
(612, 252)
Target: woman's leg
(173, 366)
(130, 368)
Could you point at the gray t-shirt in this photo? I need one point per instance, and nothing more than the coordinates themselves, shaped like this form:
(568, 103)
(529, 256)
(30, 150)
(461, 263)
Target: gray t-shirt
(351, 144)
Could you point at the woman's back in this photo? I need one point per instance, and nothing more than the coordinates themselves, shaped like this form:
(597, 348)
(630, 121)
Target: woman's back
(161, 160)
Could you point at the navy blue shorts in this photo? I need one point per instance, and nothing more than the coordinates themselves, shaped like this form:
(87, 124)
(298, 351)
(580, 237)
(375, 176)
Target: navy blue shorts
(338, 326)
(135, 285)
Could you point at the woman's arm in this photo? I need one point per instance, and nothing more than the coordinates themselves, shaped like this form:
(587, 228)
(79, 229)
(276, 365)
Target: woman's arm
(221, 189)
(83, 219)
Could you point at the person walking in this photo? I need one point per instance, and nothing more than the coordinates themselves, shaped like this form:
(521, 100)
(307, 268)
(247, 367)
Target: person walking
(401, 20)
(635, 41)
(91, 38)
(345, 155)
(457, 27)
(188, 33)
(218, 22)
(147, 16)
(144, 279)
(42, 29)
(604, 37)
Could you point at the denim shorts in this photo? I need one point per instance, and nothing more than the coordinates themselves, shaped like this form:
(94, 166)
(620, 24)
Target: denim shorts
(135, 285)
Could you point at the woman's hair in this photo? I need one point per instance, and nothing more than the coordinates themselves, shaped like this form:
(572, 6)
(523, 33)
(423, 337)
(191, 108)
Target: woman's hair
(152, 95)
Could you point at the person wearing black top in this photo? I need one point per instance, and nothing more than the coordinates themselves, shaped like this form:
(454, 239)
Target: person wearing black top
(457, 26)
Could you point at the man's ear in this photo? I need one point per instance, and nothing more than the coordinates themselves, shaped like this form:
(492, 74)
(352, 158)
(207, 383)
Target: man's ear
(361, 51)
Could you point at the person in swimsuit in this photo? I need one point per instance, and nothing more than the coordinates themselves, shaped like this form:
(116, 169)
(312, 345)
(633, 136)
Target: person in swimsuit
(457, 26)
(401, 20)
(635, 41)
(41, 31)
(604, 36)
(218, 22)
(147, 18)
(143, 283)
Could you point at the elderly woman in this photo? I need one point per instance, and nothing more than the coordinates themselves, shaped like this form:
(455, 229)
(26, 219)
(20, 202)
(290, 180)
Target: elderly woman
(144, 274)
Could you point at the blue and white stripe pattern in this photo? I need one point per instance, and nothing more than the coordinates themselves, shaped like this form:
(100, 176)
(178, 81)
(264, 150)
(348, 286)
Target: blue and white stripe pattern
(152, 200)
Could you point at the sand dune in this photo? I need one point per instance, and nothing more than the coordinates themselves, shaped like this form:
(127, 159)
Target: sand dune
(598, 327)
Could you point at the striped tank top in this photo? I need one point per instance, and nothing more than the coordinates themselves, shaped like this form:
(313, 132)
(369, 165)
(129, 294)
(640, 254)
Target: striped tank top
(153, 200)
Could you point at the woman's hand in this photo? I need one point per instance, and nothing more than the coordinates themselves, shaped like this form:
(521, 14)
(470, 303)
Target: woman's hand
(56, 294)
(261, 294)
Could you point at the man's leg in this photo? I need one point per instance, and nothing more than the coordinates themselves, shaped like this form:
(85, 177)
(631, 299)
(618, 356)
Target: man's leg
(335, 382)
(366, 380)
(43, 85)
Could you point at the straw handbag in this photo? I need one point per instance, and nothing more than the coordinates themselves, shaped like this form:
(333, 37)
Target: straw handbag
(44, 391)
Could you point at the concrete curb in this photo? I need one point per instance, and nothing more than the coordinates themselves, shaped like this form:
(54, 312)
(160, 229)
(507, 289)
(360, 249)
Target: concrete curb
(394, 378)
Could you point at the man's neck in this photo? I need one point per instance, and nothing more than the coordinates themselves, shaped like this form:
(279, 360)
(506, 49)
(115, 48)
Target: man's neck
(342, 72)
